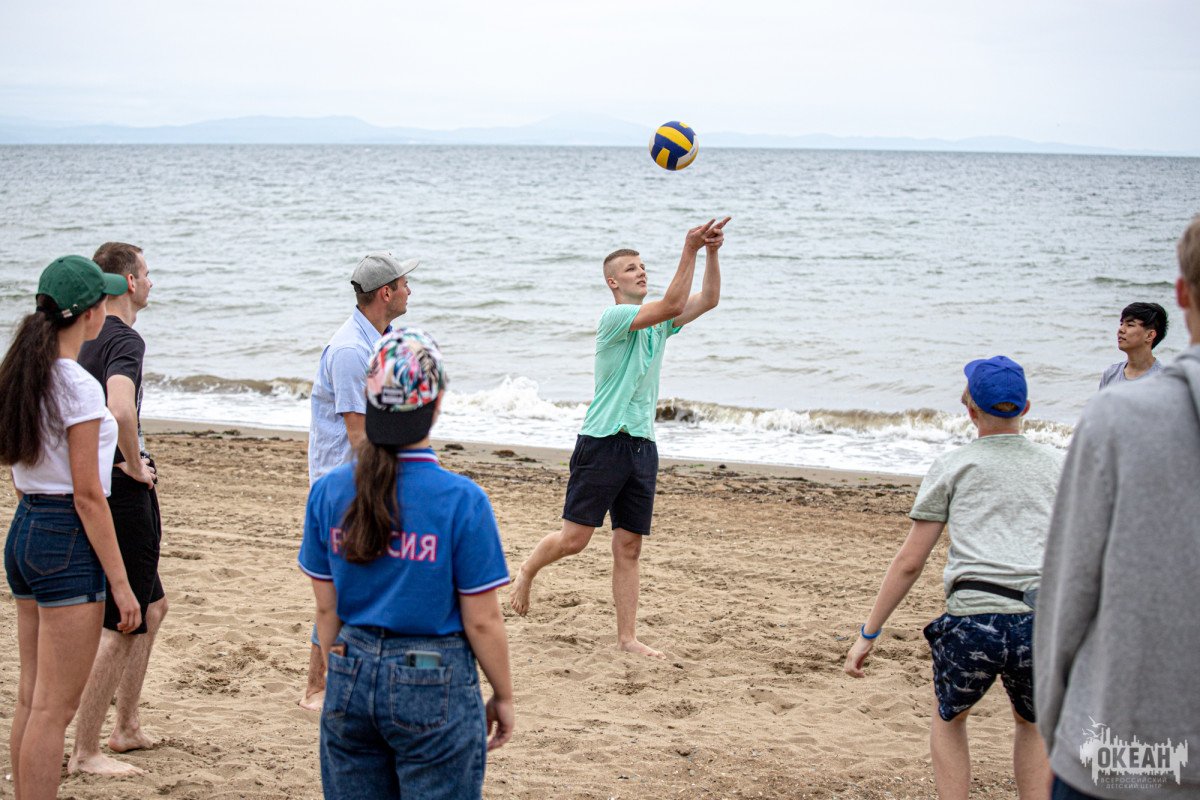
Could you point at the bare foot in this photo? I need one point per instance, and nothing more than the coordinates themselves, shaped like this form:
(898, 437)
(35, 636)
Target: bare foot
(637, 648)
(313, 702)
(101, 764)
(518, 596)
(124, 741)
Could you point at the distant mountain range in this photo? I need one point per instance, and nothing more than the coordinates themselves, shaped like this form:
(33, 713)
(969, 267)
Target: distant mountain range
(563, 129)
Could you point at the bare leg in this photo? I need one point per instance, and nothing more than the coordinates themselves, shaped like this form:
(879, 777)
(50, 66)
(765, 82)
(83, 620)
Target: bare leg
(314, 693)
(127, 733)
(27, 634)
(107, 669)
(626, 584)
(951, 755)
(572, 539)
(66, 646)
(1031, 766)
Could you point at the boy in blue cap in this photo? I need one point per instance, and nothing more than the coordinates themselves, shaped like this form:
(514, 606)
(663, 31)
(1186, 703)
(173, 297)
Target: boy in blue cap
(996, 495)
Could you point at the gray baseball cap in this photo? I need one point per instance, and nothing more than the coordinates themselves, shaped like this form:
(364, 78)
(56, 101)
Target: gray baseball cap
(379, 268)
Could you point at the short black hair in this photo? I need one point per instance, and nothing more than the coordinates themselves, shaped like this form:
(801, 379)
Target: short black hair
(1151, 315)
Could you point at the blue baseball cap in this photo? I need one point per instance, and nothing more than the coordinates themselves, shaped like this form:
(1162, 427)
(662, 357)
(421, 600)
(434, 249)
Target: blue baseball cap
(996, 380)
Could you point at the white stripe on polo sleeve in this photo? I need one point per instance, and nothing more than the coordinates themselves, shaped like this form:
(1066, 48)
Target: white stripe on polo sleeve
(485, 587)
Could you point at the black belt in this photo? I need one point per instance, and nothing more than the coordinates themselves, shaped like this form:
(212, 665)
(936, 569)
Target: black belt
(1028, 597)
(385, 633)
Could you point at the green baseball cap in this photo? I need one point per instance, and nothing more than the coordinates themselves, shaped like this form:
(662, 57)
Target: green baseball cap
(75, 284)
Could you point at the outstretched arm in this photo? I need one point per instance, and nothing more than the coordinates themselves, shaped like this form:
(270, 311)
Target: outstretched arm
(675, 299)
(710, 292)
(906, 567)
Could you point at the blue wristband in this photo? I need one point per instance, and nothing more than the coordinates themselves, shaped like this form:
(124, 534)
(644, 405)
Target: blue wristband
(863, 632)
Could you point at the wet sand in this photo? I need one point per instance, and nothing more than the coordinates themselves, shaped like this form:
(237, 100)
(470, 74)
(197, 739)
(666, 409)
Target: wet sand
(753, 581)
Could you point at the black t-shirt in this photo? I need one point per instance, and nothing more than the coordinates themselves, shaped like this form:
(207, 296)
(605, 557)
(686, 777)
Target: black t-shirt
(118, 350)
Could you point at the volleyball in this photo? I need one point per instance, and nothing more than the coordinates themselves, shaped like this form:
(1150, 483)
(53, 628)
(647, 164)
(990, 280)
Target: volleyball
(673, 146)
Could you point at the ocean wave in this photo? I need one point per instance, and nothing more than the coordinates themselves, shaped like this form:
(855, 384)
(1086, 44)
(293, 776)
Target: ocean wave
(519, 398)
(515, 397)
(921, 424)
(1124, 283)
(515, 412)
(295, 388)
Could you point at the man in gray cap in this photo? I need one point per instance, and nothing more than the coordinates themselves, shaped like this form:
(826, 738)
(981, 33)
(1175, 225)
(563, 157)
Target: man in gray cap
(339, 400)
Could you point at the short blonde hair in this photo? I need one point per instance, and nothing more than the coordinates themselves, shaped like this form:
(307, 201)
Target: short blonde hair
(613, 256)
(969, 402)
(1189, 253)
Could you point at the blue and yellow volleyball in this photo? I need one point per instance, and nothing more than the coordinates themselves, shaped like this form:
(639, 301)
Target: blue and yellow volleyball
(673, 146)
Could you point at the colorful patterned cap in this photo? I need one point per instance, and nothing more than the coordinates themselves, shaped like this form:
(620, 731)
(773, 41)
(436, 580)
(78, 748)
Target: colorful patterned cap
(406, 376)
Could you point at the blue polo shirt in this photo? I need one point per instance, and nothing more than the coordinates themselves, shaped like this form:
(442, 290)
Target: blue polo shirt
(449, 545)
(339, 387)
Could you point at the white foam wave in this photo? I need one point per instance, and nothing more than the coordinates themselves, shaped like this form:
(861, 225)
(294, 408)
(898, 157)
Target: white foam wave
(514, 412)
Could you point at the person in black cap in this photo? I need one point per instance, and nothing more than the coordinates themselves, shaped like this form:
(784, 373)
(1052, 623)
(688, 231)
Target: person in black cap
(59, 438)
(996, 495)
(405, 559)
(338, 403)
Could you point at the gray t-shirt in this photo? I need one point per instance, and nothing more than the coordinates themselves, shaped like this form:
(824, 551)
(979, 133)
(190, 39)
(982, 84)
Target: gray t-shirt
(1116, 373)
(995, 495)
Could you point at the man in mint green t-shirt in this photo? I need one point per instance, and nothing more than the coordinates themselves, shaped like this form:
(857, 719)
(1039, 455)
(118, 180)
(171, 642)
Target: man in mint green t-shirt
(615, 464)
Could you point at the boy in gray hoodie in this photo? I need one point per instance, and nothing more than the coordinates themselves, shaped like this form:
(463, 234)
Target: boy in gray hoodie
(1117, 631)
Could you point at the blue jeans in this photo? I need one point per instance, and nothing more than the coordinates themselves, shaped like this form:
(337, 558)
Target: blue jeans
(389, 729)
(47, 555)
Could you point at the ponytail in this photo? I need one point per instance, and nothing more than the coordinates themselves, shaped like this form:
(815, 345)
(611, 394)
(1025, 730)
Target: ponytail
(28, 404)
(374, 513)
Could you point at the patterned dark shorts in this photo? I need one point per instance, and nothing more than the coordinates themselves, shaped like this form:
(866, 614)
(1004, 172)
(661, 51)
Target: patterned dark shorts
(969, 652)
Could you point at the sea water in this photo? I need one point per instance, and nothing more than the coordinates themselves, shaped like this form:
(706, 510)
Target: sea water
(855, 285)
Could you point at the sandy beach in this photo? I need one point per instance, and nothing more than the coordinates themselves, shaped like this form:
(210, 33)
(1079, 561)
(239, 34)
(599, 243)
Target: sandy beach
(754, 581)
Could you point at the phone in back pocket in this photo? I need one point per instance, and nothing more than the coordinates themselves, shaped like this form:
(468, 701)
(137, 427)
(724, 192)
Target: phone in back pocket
(423, 659)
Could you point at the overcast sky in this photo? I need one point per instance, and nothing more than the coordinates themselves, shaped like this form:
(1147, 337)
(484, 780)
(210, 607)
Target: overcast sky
(1115, 73)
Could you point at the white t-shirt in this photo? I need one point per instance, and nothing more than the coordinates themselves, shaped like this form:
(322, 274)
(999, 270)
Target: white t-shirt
(80, 399)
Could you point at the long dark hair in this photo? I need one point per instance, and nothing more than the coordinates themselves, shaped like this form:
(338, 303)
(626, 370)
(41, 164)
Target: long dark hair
(28, 405)
(375, 512)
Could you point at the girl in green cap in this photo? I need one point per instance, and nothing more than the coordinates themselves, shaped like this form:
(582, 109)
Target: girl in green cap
(59, 438)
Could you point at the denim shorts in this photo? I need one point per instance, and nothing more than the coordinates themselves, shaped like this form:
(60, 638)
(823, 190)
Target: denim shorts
(48, 557)
(970, 651)
(390, 730)
(614, 475)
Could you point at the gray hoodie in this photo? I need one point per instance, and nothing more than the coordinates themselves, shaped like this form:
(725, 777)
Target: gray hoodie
(1117, 629)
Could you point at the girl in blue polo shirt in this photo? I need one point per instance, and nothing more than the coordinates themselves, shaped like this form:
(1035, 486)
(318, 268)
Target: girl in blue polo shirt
(405, 558)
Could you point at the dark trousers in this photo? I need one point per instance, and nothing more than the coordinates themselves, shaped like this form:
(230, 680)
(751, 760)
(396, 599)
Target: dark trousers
(1062, 791)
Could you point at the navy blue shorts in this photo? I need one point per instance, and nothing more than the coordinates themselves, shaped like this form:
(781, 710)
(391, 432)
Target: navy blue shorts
(48, 557)
(134, 507)
(969, 652)
(614, 475)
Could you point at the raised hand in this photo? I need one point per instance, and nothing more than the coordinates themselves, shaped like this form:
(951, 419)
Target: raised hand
(716, 236)
(697, 236)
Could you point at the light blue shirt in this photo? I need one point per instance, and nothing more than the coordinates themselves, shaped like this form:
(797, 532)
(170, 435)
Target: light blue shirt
(340, 387)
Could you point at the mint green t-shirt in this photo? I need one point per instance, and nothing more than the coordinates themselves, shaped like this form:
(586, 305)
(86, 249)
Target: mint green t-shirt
(627, 366)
